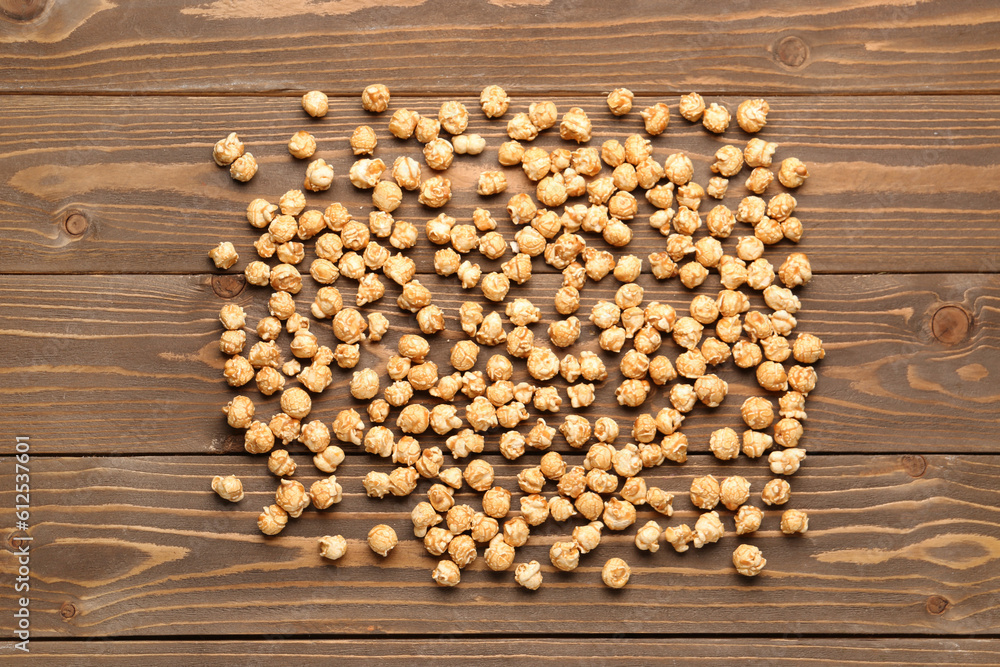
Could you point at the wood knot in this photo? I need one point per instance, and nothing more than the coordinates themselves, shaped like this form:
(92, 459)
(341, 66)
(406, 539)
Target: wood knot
(950, 324)
(791, 52)
(67, 610)
(13, 543)
(75, 223)
(915, 465)
(228, 285)
(22, 10)
(937, 605)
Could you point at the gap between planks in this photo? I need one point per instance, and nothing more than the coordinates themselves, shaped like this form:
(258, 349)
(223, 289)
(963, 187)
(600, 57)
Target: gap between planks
(445, 636)
(464, 92)
(367, 456)
(197, 274)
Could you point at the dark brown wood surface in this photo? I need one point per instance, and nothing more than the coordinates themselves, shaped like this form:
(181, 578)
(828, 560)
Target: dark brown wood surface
(161, 390)
(895, 546)
(438, 46)
(109, 202)
(790, 650)
(899, 184)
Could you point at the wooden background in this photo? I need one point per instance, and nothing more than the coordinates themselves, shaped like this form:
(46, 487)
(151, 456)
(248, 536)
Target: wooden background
(108, 328)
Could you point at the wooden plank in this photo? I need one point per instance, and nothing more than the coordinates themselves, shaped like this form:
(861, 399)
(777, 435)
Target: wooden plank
(432, 651)
(903, 186)
(416, 46)
(141, 546)
(130, 364)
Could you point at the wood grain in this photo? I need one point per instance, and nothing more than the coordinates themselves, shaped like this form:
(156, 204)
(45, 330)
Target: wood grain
(154, 552)
(908, 652)
(887, 384)
(107, 114)
(420, 46)
(906, 185)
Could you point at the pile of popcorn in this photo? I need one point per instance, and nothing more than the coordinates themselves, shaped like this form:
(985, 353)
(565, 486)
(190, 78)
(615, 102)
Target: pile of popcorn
(604, 486)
